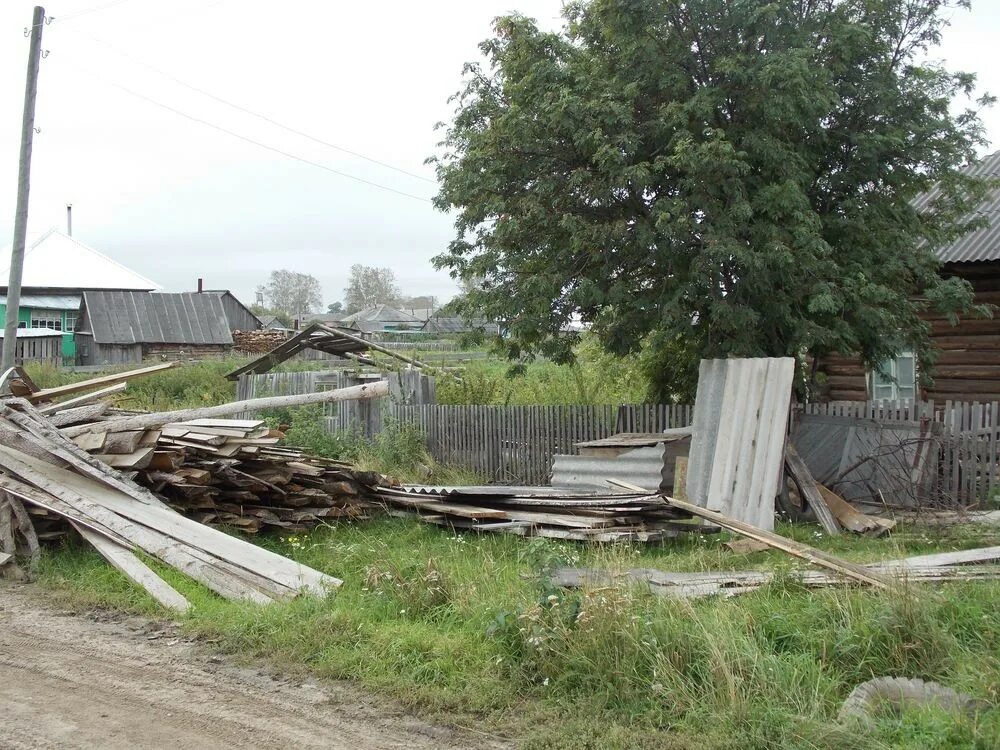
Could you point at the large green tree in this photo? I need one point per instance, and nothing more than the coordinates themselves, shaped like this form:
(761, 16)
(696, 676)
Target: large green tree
(711, 177)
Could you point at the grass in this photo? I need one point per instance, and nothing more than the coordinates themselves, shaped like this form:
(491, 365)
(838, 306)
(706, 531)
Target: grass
(466, 629)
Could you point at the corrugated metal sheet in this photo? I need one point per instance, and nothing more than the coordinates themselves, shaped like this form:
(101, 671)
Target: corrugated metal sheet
(139, 317)
(645, 467)
(738, 443)
(35, 333)
(983, 244)
(48, 301)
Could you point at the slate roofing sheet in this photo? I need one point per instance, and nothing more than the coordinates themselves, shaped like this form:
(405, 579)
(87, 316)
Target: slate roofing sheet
(48, 301)
(982, 244)
(34, 333)
(140, 317)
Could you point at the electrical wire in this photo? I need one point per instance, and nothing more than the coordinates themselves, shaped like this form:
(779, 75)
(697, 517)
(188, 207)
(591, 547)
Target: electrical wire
(246, 139)
(84, 11)
(250, 112)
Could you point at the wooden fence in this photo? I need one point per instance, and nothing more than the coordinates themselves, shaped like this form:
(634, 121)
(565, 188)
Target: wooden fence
(515, 444)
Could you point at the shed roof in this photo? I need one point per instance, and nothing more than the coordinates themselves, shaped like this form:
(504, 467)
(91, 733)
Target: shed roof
(57, 261)
(141, 317)
(982, 244)
(35, 333)
(381, 314)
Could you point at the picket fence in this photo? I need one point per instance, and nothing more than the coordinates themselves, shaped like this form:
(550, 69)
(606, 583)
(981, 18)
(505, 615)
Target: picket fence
(515, 444)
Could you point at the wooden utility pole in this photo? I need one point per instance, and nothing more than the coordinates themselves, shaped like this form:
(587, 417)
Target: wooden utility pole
(23, 181)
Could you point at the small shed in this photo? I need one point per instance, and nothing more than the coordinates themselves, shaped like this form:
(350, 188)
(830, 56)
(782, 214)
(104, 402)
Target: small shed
(239, 316)
(37, 345)
(128, 327)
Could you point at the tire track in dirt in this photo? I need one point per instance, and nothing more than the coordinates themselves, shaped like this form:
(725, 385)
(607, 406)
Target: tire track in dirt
(73, 682)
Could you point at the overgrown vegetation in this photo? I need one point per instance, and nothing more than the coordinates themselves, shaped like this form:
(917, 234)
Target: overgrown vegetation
(467, 628)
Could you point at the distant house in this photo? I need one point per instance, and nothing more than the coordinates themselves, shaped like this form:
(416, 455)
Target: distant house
(271, 322)
(128, 327)
(382, 318)
(968, 364)
(57, 270)
(445, 324)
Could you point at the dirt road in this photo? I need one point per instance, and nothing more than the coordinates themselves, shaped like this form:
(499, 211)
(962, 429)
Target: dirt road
(68, 680)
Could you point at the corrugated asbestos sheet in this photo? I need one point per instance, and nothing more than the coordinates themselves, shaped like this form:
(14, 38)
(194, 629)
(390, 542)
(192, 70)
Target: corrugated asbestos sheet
(983, 244)
(738, 441)
(143, 318)
(645, 467)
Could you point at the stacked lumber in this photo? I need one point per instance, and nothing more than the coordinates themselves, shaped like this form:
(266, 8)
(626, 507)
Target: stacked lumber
(541, 511)
(233, 472)
(260, 341)
(42, 469)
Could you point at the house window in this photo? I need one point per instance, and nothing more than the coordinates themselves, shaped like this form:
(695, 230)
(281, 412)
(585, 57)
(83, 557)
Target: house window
(46, 319)
(897, 381)
(71, 318)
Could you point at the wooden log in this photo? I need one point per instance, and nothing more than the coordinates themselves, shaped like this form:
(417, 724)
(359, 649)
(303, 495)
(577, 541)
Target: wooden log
(809, 490)
(151, 421)
(88, 413)
(48, 394)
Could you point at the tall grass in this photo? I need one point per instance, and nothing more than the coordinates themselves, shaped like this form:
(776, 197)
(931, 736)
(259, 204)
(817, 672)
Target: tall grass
(469, 628)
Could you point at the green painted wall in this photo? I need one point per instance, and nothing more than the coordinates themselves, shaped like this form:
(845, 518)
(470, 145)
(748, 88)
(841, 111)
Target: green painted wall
(24, 316)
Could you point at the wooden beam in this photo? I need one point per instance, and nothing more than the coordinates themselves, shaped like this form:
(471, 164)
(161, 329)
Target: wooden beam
(809, 490)
(158, 419)
(47, 394)
(86, 398)
(371, 345)
(796, 549)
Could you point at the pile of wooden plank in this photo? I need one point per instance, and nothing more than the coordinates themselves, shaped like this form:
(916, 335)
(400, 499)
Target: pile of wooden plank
(233, 473)
(42, 469)
(541, 511)
(257, 342)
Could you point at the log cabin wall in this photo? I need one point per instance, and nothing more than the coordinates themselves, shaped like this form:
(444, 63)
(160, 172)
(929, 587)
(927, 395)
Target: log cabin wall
(968, 364)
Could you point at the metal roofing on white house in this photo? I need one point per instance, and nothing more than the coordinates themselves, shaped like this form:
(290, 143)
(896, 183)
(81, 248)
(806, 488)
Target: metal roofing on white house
(982, 244)
(48, 301)
(57, 261)
(35, 333)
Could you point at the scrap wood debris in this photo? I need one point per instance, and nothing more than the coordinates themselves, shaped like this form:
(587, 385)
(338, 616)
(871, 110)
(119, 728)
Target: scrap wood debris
(230, 472)
(540, 511)
(947, 566)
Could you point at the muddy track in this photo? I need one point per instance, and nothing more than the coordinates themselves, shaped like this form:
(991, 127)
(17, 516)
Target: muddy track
(68, 680)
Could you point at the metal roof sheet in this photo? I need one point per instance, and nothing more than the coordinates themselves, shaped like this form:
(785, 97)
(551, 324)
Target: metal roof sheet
(48, 301)
(381, 314)
(35, 333)
(140, 317)
(982, 244)
(58, 261)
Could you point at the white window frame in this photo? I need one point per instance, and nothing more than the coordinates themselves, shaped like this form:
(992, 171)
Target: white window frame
(73, 317)
(47, 319)
(886, 387)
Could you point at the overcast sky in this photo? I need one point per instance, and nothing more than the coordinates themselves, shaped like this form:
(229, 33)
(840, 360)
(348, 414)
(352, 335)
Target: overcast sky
(177, 200)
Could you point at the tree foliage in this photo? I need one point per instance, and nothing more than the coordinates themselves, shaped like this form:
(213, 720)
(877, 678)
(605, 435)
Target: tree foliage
(370, 286)
(712, 177)
(293, 293)
(335, 308)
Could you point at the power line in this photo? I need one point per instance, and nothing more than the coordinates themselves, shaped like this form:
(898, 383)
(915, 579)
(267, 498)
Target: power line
(251, 112)
(92, 9)
(244, 138)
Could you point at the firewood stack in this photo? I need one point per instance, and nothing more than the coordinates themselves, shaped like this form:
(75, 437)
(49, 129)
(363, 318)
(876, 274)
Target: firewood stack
(232, 472)
(257, 342)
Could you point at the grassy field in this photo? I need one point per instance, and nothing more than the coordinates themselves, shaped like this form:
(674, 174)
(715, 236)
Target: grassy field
(467, 630)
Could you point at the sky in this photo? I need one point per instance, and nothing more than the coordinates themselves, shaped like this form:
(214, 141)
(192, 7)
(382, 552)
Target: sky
(177, 199)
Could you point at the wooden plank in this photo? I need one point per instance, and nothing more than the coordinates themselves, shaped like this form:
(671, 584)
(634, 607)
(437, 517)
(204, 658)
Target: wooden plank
(138, 459)
(796, 549)
(125, 561)
(961, 557)
(47, 394)
(809, 490)
(83, 400)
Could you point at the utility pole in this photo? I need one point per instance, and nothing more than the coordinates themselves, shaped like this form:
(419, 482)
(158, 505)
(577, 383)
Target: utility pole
(23, 181)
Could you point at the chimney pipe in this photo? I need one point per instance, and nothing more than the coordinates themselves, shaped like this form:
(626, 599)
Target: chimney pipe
(201, 285)
(69, 219)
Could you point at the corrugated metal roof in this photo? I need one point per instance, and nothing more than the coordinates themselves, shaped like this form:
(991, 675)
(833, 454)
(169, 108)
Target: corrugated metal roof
(982, 244)
(58, 261)
(381, 314)
(34, 333)
(644, 467)
(140, 317)
(48, 301)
